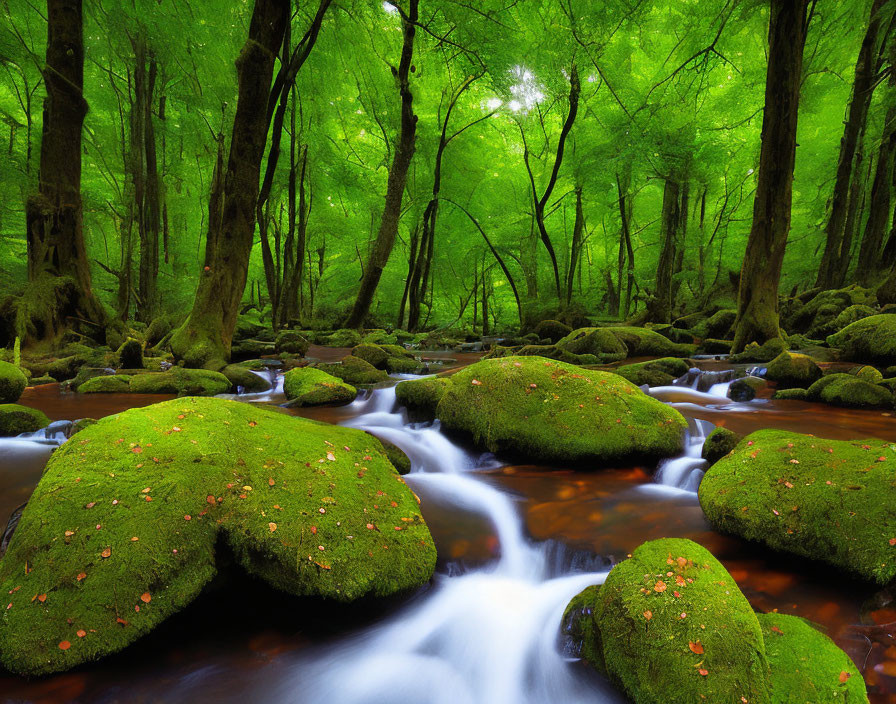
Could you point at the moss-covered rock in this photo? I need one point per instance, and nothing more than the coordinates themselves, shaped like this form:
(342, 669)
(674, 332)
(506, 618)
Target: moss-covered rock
(805, 666)
(343, 338)
(86, 374)
(403, 365)
(826, 500)
(871, 339)
(311, 508)
(291, 342)
(307, 386)
(12, 382)
(719, 443)
(793, 371)
(397, 457)
(130, 354)
(851, 314)
(355, 371)
(65, 368)
(746, 388)
(713, 346)
(791, 395)
(720, 325)
(106, 384)
(599, 342)
(642, 342)
(656, 372)
(184, 382)
(16, 419)
(548, 410)
(849, 391)
(675, 629)
(41, 380)
(765, 352)
(372, 354)
(552, 330)
(867, 373)
(422, 396)
(240, 376)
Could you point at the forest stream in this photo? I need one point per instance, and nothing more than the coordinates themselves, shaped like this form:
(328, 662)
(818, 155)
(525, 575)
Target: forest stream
(515, 544)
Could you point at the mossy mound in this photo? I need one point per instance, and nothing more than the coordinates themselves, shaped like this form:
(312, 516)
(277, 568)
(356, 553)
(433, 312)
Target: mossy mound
(41, 380)
(552, 330)
(240, 376)
(392, 358)
(867, 373)
(311, 508)
(657, 372)
(642, 342)
(712, 345)
(674, 628)
(16, 419)
(184, 382)
(106, 384)
(422, 396)
(850, 315)
(766, 352)
(805, 666)
(791, 395)
(291, 342)
(130, 354)
(746, 388)
(372, 354)
(342, 338)
(307, 386)
(827, 500)
(599, 342)
(12, 382)
(548, 410)
(65, 368)
(355, 371)
(720, 325)
(546, 351)
(793, 371)
(849, 391)
(719, 443)
(871, 339)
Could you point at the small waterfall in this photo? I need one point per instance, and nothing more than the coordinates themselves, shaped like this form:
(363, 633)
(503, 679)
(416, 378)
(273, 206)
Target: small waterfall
(54, 434)
(686, 471)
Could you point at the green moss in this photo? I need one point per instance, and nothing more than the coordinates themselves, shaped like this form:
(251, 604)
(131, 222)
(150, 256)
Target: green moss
(599, 342)
(849, 391)
(577, 626)
(296, 507)
(16, 419)
(343, 338)
(291, 342)
(422, 396)
(746, 388)
(355, 371)
(81, 424)
(657, 372)
(642, 342)
(307, 386)
(239, 375)
(12, 382)
(398, 351)
(689, 598)
(719, 325)
(130, 354)
(823, 499)
(852, 314)
(552, 411)
(793, 371)
(403, 365)
(719, 443)
(866, 373)
(106, 384)
(41, 380)
(397, 457)
(766, 352)
(714, 346)
(184, 382)
(372, 354)
(68, 367)
(805, 666)
(380, 337)
(552, 330)
(791, 395)
(872, 339)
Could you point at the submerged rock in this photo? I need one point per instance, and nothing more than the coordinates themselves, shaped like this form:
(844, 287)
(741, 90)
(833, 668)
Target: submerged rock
(849, 391)
(122, 529)
(871, 339)
(307, 386)
(793, 371)
(12, 382)
(827, 500)
(16, 419)
(551, 411)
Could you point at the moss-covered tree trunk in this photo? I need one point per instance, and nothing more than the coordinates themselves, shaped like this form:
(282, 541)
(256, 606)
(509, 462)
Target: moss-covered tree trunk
(659, 310)
(205, 337)
(575, 249)
(59, 293)
(757, 306)
(398, 175)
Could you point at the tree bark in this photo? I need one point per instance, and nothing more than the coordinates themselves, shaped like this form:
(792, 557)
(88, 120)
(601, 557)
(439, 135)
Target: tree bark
(398, 174)
(659, 309)
(206, 335)
(54, 217)
(575, 249)
(757, 307)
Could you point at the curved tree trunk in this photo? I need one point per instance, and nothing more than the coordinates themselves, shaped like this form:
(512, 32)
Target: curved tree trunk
(757, 305)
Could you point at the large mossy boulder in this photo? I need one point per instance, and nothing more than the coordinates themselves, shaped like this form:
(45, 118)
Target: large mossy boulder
(766, 352)
(657, 372)
(546, 351)
(307, 386)
(106, 384)
(791, 371)
(871, 339)
(642, 342)
(827, 500)
(184, 382)
(16, 419)
(123, 528)
(291, 342)
(342, 338)
(241, 377)
(421, 396)
(547, 410)
(719, 443)
(720, 325)
(599, 342)
(849, 391)
(12, 382)
(552, 330)
(355, 371)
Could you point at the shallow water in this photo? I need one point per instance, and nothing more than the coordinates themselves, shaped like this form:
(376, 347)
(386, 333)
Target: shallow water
(515, 542)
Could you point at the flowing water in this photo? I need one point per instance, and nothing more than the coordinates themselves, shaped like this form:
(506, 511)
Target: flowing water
(515, 543)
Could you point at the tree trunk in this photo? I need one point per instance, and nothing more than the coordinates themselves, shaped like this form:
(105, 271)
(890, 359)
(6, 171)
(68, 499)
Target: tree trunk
(659, 309)
(862, 91)
(576, 247)
(55, 237)
(205, 337)
(398, 173)
(151, 219)
(757, 306)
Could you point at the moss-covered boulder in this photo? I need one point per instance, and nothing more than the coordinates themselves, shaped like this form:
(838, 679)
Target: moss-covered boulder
(719, 443)
(552, 330)
(849, 391)
(871, 339)
(791, 395)
(307, 386)
(422, 396)
(672, 627)
(106, 384)
(850, 315)
(130, 354)
(551, 411)
(12, 382)
(355, 371)
(599, 342)
(546, 351)
(342, 338)
(806, 666)
(766, 352)
(867, 373)
(827, 500)
(791, 371)
(746, 388)
(184, 382)
(657, 372)
(242, 377)
(16, 419)
(291, 342)
(41, 380)
(713, 346)
(642, 342)
(372, 354)
(122, 529)
(720, 325)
